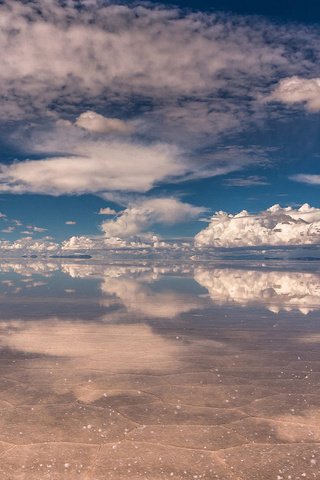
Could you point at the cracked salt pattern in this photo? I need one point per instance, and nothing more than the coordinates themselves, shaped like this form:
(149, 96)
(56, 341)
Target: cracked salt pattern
(135, 372)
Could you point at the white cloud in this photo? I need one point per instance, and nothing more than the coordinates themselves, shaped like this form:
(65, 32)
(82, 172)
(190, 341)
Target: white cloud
(28, 244)
(144, 244)
(94, 122)
(298, 90)
(104, 54)
(119, 60)
(78, 243)
(115, 58)
(252, 180)
(76, 162)
(8, 229)
(140, 216)
(275, 226)
(33, 228)
(276, 290)
(70, 222)
(310, 179)
(107, 211)
(95, 167)
(122, 50)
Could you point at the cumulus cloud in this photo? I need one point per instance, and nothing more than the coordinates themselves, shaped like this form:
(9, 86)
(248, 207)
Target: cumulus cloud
(94, 122)
(143, 245)
(107, 211)
(140, 216)
(79, 243)
(29, 244)
(295, 89)
(274, 226)
(70, 222)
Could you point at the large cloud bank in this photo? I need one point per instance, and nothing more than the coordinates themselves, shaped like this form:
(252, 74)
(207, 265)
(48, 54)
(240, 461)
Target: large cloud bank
(122, 49)
(54, 55)
(274, 226)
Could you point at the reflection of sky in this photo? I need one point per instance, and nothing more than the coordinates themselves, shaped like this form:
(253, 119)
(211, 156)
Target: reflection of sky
(149, 290)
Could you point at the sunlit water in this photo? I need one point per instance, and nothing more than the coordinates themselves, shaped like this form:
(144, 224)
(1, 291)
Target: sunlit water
(159, 372)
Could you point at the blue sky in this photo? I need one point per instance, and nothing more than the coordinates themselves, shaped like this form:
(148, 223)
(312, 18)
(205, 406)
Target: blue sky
(282, 10)
(164, 114)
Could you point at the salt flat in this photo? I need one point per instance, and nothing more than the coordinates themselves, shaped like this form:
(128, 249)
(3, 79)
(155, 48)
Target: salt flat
(98, 382)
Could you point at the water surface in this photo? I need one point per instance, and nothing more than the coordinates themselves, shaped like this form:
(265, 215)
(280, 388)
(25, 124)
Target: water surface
(152, 371)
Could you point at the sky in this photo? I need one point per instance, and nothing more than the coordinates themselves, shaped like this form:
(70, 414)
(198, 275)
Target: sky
(138, 121)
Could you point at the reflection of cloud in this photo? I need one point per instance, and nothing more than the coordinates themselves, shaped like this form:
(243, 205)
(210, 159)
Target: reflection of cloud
(130, 285)
(76, 357)
(138, 297)
(277, 290)
(29, 268)
(112, 347)
(147, 272)
(80, 271)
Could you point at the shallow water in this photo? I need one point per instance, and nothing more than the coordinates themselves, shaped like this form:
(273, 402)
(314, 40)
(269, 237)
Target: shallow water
(152, 371)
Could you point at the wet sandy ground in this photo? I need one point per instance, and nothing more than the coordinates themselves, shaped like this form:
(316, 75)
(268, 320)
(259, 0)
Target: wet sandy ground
(213, 393)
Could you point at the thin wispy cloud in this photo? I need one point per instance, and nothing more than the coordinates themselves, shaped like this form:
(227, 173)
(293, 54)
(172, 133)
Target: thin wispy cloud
(309, 179)
(252, 180)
